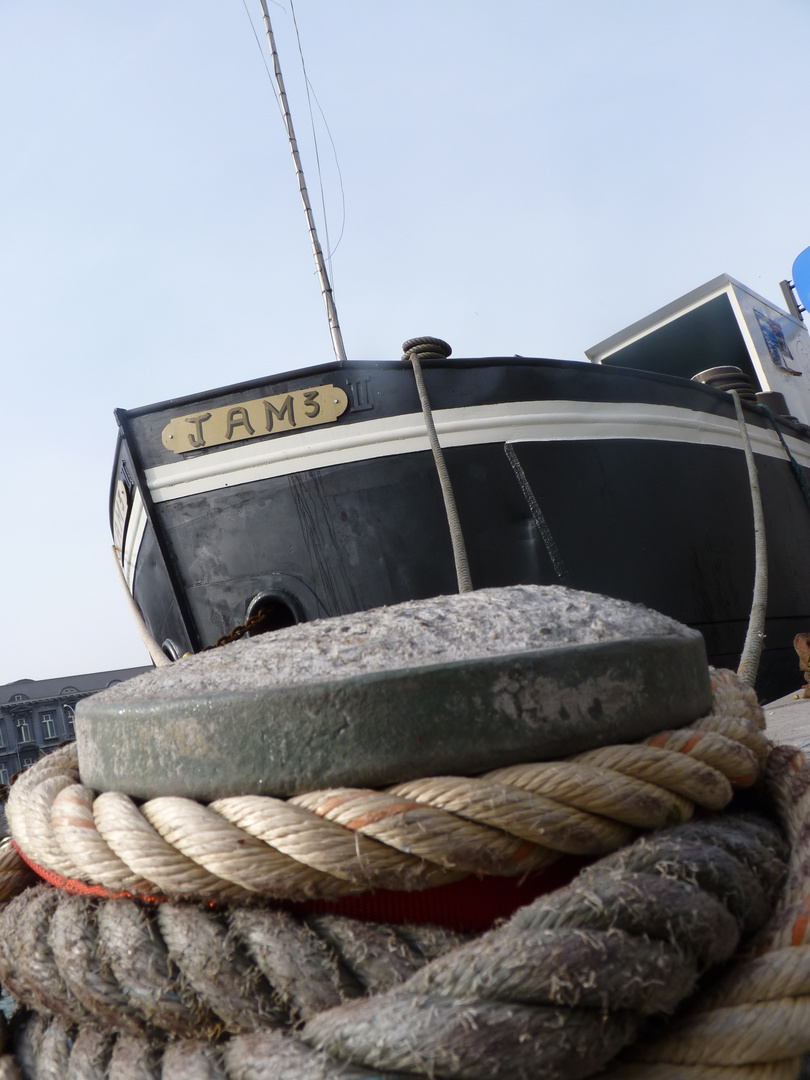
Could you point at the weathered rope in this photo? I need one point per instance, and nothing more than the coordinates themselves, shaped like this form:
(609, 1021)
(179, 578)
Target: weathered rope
(15, 875)
(156, 654)
(9, 1069)
(755, 633)
(757, 1017)
(559, 989)
(435, 347)
(610, 948)
(773, 1070)
(328, 844)
(190, 971)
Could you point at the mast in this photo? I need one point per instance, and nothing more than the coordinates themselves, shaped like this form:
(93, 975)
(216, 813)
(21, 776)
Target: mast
(320, 263)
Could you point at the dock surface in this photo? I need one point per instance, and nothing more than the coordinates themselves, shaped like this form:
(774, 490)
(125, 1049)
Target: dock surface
(787, 720)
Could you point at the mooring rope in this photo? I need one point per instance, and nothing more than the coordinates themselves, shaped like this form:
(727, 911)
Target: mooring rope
(236, 991)
(755, 634)
(429, 347)
(194, 972)
(756, 1018)
(15, 874)
(156, 653)
(608, 948)
(560, 988)
(418, 834)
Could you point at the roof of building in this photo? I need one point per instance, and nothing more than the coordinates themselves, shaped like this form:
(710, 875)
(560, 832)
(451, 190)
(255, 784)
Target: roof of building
(66, 685)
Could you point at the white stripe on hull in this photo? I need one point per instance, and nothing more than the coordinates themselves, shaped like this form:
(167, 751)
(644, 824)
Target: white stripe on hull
(541, 421)
(136, 527)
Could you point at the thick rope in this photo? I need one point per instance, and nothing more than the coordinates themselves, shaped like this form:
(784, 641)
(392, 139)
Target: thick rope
(427, 346)
(157, 655)
(416, 835)
(758, 1014)
(737, 867)
(559, 989)
(755, 634)
(264, 1055)
(15, 875)
(773, 1070)
(192, 972)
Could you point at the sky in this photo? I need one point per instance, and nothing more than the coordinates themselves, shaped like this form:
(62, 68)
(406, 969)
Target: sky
(527, 176)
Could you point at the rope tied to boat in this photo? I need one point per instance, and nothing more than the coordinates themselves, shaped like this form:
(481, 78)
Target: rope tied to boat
(562, 986)
(156, 653)
(414, 835)
(430, 348)
(755, 634)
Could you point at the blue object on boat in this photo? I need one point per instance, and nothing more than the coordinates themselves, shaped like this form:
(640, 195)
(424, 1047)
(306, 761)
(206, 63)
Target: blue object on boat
(801, 276)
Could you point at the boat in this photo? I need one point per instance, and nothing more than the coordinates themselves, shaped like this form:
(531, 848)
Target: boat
(320, 491)
(314, 493)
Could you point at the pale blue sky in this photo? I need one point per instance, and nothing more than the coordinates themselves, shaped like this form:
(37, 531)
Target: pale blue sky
(519, 177)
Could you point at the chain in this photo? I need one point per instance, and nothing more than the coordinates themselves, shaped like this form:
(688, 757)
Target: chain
(253, 623)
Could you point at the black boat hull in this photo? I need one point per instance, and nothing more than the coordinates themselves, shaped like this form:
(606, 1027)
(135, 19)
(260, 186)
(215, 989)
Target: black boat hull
(640, 479)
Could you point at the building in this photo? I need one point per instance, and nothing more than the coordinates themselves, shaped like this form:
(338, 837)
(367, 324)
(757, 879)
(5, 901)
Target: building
(36, 715)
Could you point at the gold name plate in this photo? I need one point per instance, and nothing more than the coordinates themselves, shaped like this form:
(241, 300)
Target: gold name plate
(251, 419)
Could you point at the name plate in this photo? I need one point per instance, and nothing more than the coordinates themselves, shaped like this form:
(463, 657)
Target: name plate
(251, 419)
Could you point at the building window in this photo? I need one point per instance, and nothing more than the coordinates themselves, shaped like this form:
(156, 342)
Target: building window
(70, 716)
(27, 762)
(49, 725)
(2, 737)
(3, 775)
(23, 729)
(17, 697)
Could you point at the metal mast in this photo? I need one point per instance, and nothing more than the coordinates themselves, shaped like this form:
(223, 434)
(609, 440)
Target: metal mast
(320, 263)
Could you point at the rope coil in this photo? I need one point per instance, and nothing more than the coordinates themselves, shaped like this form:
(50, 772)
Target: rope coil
(329, 844)
(568, 980)
(185, 989)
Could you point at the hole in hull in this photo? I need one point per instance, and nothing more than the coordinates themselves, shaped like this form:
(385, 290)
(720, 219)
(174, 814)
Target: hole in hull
(170, 649)
(273, 611)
